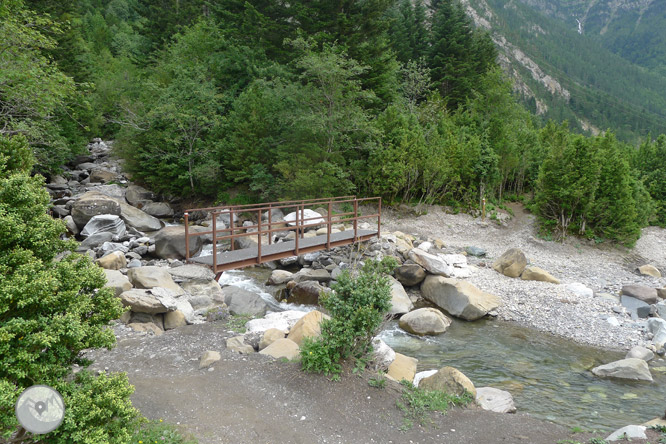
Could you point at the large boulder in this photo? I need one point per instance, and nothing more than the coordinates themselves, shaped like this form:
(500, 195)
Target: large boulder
(315, 218)
(305, 293)
(113, 261)
(538, 274)
(425, 321)
(433, 264)
(640, 353)
(93, 204)
(511, 263)
(94, 241)
(448, 380)
(118, 281)
(158, 209)
(649, 270)
(174, 319)
(400, 302)
(282, 348)
(402, 367)
(628, 433)
(137, 195)
(631, 368)
(410, 274)
(136, 218)
(170, 243)
(243, 302)
(279, 277)
(641, 292)
(149, 277)
(458, 298)
(309, 326)
(271, 335)
(101, 175)
(142, 301)
(237, 344)
(282, 320)
(495, 400)
(105, 223)
(192, 272)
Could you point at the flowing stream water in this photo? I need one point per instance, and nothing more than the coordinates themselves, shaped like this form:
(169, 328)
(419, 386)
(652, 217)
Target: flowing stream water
(549, 377)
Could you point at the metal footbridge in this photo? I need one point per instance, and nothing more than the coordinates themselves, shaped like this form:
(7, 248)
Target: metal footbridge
(263, 247)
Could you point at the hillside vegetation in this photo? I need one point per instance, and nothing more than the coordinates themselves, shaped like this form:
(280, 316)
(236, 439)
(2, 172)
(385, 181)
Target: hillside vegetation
(263, 100)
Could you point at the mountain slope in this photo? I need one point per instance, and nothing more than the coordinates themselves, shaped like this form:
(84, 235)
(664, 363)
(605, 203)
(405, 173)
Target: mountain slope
(562, 73)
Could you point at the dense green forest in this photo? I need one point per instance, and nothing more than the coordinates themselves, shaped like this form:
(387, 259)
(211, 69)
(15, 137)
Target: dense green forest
(242, 101)
(607, 87)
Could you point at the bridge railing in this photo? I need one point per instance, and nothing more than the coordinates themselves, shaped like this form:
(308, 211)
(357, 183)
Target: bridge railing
(268, 227)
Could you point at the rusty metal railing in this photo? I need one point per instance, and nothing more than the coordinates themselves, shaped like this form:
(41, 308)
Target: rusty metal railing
(299, 225)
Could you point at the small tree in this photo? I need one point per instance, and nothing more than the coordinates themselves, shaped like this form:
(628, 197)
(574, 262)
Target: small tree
(52, 306)
(357, 306)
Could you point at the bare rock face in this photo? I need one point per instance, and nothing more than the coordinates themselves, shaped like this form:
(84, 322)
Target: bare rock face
(105, 223)
(93, 204)
(511, 263)
(630, 368)
(138, 219)
(170, 243)
(458, 298)
(425, 321)
(449, 380)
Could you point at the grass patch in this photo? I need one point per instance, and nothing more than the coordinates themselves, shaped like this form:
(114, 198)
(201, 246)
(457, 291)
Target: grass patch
(417, 404)
(237, 322)
(159, 432)
(378, 381)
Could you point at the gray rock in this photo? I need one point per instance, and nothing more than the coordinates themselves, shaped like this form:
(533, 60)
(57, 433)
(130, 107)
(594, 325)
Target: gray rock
(94, 241)
(641, 292)
(134, 263)
(158, 209)
(433, 264)
(115, 191)
(170, 243)
(142, 301)
(117, 281)
(279, 277)
(475, 251)
(136, 195)
(60, 211)
(410, 274)
(580, 290)
(400, 302)
(237, 344)
(495, 400)
(511, 263)
(276, 215)
(210, 290)
(113, 246)
(101, 175)
(308, 274)
(71, 225)
(149, 277)
(631, 368)
(93, 204)
(138, 219)
(191, 272)
(628, 432)
(639, 352)
(241, 301)
(288, 261)
(104, 223)
(306, 292)
(425, 321)
(382, 355)
(458, 298)
(209, 358)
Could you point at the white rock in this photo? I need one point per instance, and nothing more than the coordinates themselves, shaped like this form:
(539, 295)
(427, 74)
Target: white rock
(613, 321)
(382, 355)
(304, 214)
(495, 400)
(630, 431)
(283, 320)
(580, 290)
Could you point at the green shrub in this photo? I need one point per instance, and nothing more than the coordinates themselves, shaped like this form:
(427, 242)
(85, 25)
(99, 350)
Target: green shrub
(52, 307)
(417, 403)
(158, 432)
(357, 306)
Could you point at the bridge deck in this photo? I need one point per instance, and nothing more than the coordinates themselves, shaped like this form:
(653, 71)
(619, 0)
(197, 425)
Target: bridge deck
(250, 256)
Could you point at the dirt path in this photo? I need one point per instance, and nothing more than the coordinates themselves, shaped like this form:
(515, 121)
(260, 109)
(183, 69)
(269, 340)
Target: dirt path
(255, 399)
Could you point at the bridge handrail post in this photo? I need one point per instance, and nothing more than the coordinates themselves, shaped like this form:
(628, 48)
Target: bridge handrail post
(270, 223)
(379, 219)
(355, 220)
(214, 242)
(328, 226)
(231, 226)
(296, 232)
(259, 237)
(187, 237)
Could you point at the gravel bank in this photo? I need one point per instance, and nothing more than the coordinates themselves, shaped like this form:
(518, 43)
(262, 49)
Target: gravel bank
(544, 306)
